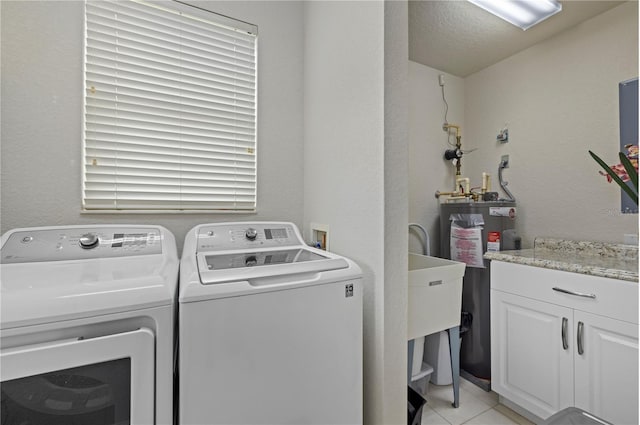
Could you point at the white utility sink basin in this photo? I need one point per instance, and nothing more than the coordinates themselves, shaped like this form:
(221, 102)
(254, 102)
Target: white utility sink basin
(435, 294)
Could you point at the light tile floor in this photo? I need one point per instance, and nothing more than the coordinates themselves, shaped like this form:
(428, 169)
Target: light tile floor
(477, 407)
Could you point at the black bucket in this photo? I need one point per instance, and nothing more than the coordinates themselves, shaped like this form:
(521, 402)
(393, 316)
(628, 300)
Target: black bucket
(415, 403)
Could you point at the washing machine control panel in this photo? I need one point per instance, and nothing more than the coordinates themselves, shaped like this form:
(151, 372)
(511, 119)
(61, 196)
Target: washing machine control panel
(231, 236)
(58, 244)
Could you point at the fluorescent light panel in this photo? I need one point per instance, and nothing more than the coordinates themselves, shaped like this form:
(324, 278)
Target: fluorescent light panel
(521, 13)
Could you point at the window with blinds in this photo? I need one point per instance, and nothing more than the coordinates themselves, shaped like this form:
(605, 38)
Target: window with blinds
(170, 109)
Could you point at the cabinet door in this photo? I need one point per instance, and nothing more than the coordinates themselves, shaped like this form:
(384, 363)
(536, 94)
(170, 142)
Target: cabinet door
(530, 364)
(606, 372)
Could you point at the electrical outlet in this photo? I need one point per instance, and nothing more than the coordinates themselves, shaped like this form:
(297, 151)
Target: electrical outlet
(505, 159)
(320, 236)
(441, 80)
(630, 239)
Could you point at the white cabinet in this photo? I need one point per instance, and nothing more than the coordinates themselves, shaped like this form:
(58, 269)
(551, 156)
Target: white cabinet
(549, 349)
(606, 368)
(528, 364)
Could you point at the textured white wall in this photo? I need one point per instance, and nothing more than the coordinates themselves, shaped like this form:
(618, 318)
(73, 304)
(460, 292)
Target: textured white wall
(343, 152)
(428, 170)
(349, 171)
(41, 83)
(560, 98)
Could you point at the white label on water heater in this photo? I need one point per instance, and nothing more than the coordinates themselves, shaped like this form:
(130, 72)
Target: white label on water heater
(502, 212)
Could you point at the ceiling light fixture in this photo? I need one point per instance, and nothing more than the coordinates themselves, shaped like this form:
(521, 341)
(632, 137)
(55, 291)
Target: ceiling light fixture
(521, 13)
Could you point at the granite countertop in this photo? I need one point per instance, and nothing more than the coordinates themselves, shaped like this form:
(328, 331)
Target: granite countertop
(593, 258)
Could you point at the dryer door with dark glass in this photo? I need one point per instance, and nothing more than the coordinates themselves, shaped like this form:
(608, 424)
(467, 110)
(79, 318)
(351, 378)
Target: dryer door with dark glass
(106, 380)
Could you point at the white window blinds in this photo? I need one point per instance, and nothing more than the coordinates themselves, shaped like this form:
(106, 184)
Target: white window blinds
(170, 108)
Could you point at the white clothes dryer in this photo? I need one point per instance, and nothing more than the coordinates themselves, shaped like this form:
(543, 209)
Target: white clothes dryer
(87, 325)
(270, 329)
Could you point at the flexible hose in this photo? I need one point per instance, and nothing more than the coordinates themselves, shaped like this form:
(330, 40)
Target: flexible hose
(503, 184)
(426, 248)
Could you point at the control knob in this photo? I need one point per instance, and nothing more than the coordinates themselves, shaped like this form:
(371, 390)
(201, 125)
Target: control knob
(251, 234)
(89, 240)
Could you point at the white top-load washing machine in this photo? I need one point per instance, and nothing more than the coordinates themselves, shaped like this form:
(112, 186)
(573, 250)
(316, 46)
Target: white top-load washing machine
(87, 325)
(270, 329)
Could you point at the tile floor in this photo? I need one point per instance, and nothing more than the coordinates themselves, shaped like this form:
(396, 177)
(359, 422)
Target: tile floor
(477, 407)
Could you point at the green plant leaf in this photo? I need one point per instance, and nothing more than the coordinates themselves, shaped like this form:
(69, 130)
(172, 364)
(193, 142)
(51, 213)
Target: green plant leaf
(614, 176)
(630, 169)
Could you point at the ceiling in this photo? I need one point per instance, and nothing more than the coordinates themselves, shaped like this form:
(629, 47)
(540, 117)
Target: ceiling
(459, 38)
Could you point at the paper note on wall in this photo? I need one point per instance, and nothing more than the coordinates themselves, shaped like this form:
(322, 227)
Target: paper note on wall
(466, 245)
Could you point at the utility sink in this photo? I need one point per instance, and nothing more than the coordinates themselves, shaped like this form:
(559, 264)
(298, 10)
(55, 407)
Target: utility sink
(435, 294)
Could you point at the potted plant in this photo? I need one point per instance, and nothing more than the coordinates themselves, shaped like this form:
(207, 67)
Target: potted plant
(626, 171)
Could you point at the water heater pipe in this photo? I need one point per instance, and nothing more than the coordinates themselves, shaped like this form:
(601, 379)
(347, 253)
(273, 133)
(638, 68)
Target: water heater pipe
(454, 154)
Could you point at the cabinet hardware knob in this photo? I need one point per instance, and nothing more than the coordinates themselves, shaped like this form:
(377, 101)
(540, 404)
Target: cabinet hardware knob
(565, 342)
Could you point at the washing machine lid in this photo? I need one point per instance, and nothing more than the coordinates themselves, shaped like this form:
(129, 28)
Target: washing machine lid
(47, 275)
(222, 260)
(250, 265)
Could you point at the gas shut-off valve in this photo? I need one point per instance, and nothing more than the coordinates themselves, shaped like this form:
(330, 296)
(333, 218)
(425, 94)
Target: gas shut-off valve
(454, 155)
(450, 154)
